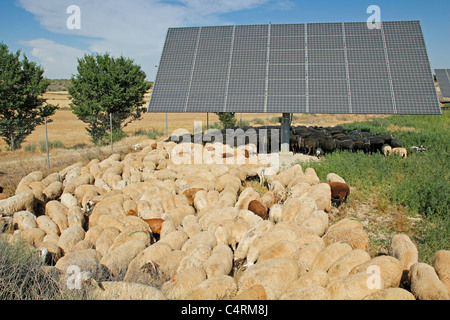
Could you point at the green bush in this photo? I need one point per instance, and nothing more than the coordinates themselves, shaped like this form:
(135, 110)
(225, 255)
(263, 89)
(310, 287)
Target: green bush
(227, 119)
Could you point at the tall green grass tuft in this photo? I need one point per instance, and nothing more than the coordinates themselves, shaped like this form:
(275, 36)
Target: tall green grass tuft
(151, 133)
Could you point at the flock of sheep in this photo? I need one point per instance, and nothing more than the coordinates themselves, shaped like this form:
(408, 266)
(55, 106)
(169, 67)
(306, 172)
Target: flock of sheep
(315, 141)
(142, 227)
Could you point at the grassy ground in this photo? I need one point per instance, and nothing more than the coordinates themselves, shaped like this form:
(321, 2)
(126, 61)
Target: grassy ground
(393, 195)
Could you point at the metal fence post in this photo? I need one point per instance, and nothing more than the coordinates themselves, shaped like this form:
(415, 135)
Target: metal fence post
(46, 143)
(111, 129)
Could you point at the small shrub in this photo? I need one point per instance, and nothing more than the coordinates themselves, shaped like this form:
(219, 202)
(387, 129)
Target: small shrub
(274, 120)
(258, 121)
(213, 126)
(117, 135)
(30, 148)
(21, 275)
(151, 133)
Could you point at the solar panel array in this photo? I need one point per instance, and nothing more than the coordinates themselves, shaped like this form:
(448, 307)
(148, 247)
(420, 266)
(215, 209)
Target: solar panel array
(443, 78)
(296, 68)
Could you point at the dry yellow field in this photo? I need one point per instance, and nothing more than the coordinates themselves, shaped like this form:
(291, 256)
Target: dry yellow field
(66, 128)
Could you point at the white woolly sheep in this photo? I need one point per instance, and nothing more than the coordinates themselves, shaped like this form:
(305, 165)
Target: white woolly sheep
(317, 222)
(221, 287)
(58, 213)
(196, 257)
(176, 239)
(307, 293)
(126, 291)
(47, 224)
(441, 263)
(76, 217)
(425, 283)
(24, 220)
(132, 232)
(276, 213)
(391, 294)
(117, 261)
(404, 249)
(23, 201)
(191, 226)
(316, 277)
(33, 236)
(206, 238)
(287, 175)
(52, 177)
(345, 264)
(280, 249)
(69, 238)
(248, 238)
(400, 152)
(200, 200)
(27, 180)
(330, 254)
(357, 238)
(390, 268)
(178, 287)
(333, 177)
(155, 253)
(256, 292)
(277, 274)
(265, 240)
(220, 262)
(321, 193)
(54, 190)
(386, 150)
(354, 287)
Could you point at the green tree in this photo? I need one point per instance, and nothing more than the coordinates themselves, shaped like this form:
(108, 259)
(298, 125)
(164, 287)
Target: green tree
(22, 107)
(107, 85)
(227, 119)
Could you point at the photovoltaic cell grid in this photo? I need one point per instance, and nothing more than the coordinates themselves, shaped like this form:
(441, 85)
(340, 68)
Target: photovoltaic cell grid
(296, 68)
(443, 78)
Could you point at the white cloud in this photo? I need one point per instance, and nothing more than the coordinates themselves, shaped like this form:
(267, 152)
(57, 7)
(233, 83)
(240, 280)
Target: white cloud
(133, 28)
(59, 61)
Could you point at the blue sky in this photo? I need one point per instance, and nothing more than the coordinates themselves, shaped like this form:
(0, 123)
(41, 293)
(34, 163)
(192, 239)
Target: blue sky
(137, 28)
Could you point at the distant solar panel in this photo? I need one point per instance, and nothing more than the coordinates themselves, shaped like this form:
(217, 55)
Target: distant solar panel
(443, 78)
(296, 68)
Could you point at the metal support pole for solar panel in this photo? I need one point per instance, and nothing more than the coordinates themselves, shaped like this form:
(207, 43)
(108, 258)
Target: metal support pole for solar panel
(285, 132)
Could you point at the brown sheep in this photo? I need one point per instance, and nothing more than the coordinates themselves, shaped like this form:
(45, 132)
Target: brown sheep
(257, 208)
(155, 225)
(339, 192)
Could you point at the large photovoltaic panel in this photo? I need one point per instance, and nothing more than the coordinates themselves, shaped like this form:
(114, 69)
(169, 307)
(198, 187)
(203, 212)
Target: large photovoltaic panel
(296, 68)
(443, 78)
